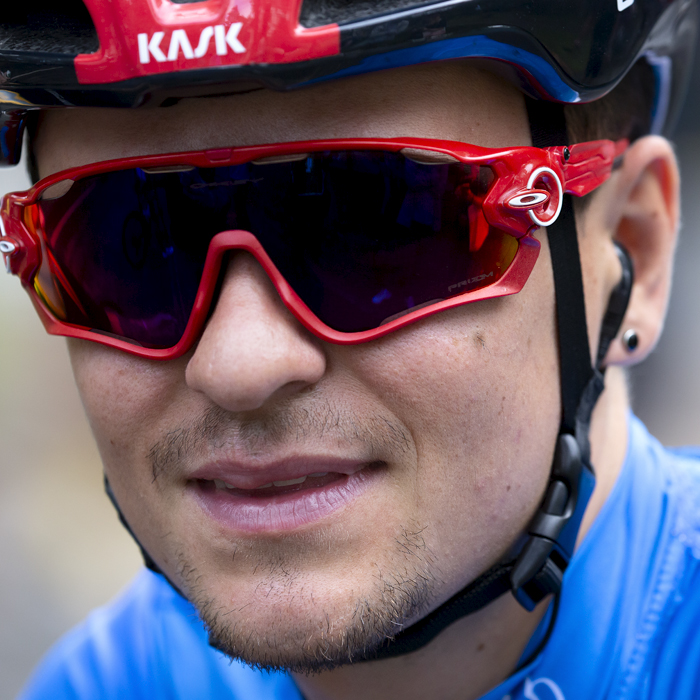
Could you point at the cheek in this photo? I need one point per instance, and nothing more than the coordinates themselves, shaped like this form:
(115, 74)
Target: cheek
(121, 394)
(478, 389)
(129, 403)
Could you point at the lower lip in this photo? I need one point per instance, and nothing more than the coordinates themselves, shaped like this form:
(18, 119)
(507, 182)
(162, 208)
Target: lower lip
(283, 512)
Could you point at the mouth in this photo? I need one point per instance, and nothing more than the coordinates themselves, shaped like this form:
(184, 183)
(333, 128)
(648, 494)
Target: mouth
(235, 501)
(277, 488)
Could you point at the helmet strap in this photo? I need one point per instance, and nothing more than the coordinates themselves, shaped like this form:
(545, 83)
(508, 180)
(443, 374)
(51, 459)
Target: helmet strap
(538, 569)
(147, 559)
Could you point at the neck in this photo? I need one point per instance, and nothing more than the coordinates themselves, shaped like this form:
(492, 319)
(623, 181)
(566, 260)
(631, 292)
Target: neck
(476, 653)
(608, 442)
(463, 662)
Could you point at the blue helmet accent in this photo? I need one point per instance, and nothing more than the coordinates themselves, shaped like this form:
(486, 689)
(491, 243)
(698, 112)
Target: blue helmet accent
(478, 46)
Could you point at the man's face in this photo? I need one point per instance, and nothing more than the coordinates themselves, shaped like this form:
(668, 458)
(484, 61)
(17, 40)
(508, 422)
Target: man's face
(434, 443)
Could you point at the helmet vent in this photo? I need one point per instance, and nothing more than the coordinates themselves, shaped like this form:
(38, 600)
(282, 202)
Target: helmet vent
(68, 30)
(316, 13)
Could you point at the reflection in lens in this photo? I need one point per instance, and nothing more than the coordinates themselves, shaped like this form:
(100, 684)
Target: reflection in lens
(362, 237)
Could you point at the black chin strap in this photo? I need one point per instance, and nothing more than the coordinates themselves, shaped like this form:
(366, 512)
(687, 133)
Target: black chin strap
(537, 570)
(540, 566)
(147, 559)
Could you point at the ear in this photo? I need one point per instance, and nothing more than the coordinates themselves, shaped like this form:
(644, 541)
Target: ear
(644, 218)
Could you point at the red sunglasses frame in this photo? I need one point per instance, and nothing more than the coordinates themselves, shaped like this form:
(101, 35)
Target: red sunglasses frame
(526, 194)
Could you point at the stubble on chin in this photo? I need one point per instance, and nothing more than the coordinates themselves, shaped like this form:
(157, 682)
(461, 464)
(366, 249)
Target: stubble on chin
(298, 632)
(306, 637)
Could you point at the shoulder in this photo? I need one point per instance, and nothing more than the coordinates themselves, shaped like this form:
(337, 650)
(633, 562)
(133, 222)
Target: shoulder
(654, 524)
(664, 505)
(148, 643)
(630, 604)
(655, 505)
(673, 668)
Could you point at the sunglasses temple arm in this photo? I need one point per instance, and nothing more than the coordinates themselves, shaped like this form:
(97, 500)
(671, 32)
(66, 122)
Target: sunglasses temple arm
(590, 164)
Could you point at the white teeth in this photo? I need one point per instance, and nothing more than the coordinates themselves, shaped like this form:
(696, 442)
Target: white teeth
(223, 484)
(290, 482)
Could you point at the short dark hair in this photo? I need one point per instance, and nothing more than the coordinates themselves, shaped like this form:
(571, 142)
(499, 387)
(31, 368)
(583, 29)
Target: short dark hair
(624, 113)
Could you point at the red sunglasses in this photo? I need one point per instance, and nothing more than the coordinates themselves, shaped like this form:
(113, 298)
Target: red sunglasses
(359, 236)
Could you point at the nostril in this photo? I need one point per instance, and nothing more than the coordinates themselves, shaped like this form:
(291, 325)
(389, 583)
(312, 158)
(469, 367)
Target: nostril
(242, 388)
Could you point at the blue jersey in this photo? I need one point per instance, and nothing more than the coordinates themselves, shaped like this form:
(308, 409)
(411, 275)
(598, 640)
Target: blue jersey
(628, 625)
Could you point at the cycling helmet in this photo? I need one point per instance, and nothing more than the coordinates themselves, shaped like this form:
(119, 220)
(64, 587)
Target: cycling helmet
(114, 53)
(150, 53)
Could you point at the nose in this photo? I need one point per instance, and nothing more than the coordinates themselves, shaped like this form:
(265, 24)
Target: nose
(253, 350)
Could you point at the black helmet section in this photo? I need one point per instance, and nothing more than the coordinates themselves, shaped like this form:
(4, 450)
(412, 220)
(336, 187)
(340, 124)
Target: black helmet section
(567, 52)
(670, 50)
(113, 53)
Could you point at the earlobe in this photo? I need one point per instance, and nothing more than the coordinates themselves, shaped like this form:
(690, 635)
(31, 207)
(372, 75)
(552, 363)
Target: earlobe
(644, 219)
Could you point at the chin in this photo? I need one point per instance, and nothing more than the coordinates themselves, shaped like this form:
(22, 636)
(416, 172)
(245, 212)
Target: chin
(287, 618)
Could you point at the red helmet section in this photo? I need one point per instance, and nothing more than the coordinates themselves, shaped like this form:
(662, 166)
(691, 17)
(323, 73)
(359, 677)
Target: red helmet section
(158, 36)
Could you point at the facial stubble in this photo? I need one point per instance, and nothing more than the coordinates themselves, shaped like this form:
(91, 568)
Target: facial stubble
(297, 632)
(306, 637)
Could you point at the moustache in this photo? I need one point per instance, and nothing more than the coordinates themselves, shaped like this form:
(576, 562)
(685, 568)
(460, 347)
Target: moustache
(218, 430)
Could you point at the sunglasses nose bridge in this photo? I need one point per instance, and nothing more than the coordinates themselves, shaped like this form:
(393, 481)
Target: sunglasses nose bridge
(250, 348)
(221, 247)
(227, 242)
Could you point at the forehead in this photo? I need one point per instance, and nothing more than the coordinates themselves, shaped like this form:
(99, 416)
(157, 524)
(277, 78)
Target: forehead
(446, 100)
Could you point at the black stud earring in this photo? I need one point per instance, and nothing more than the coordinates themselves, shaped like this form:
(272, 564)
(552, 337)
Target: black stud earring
(630, 340)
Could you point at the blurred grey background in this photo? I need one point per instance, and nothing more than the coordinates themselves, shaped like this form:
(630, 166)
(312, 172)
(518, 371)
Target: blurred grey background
(61, 547)
(666, 388)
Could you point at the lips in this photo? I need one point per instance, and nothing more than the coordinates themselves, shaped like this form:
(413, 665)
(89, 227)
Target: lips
(250, 476)
(282, 496)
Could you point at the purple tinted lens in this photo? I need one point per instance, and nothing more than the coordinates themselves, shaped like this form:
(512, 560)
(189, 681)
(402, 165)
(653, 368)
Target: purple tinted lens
(361, 236)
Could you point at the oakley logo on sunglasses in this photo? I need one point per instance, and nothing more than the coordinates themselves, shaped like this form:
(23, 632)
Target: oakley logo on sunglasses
(180, 43)
(7, 248)
(528, 199)
(542, 197)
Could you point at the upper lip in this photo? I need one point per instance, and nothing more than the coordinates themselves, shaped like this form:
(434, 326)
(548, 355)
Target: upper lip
(247, 475)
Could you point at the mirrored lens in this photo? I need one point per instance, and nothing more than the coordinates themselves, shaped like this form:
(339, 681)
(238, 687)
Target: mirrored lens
(361, 236)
